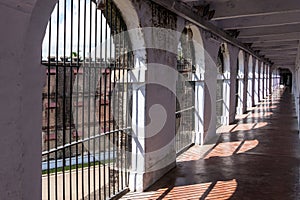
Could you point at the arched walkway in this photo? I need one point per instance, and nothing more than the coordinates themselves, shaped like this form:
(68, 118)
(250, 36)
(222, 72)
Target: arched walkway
(240, 84)
(246, 161)
(87, 100)
(223, 86)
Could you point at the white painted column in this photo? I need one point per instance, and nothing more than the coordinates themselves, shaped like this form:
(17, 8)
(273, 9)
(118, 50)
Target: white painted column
(199, 112)
(240, 94)
(153, 124)
(245, 81)
(251, 66)
(296, 94)
(226, 96)
(236, 58)
(211, 47)
(241, 85)
(256, 83)
(261, 81)
(268, 80)
(272, 80)
(23, 24)
(138, 159)
(265, 81)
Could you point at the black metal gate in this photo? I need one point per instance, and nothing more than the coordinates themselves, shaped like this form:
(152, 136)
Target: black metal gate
(86, 128)
(220, 89)
(185, 93)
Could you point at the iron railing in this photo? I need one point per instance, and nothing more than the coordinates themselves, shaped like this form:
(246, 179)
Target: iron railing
(185, 89)
(86, 102)
(219, 103)
(185, 114)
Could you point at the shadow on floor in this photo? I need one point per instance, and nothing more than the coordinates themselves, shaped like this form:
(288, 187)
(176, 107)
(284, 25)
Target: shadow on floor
(257, 158)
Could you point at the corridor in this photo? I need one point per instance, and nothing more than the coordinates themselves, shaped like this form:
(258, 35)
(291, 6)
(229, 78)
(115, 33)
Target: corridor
(257, 158)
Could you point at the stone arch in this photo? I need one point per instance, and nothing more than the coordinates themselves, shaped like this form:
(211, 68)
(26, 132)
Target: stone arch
(240, 83)
(32, 78)
(132, 21)
(198, 77)
(226, 56)
(256, 81)
(250, 83)
(241, 66)
(199, 52)
(223, 86)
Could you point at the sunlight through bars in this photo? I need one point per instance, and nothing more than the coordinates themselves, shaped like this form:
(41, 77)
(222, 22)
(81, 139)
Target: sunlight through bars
(86, 102)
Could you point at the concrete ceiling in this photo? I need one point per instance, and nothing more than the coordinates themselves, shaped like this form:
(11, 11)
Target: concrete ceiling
(271, 27)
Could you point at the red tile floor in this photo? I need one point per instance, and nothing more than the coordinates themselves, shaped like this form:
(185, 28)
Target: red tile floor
(257, 158)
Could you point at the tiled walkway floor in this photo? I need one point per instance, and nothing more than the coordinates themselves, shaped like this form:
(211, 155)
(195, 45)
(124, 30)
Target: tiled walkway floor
(258, 158)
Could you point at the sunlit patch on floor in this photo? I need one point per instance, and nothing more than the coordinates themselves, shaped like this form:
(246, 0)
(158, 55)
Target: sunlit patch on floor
(229, 148)
(260, 125)
(248, 145)
(224, 149)
(222, 190)
(261, 114)
(219, 190)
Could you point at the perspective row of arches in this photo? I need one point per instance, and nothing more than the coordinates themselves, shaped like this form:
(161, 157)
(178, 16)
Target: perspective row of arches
(113, 76)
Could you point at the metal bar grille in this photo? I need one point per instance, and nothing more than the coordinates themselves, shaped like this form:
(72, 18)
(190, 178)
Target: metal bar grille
(185, 118)
(185, 89)
(220, 88)
(219, 103)
(86, 107)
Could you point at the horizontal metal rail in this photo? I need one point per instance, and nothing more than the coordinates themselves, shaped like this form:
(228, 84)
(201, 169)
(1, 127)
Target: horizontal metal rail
(187, 109)
(82, 141)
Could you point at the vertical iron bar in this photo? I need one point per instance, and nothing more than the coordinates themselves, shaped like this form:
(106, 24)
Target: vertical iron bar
(56, 100)
(48, 110)
(124, 66)
(83, 94)
(95, 99)
(116, 99)
(100, 106)
(64, 101)
(118, 62)
(111, 101)
(89, 102)
(71, 101)
(105, 120)
(77, 100)
(107, 34)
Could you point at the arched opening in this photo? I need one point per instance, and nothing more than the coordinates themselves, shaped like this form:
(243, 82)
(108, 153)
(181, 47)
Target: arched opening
(185, 90)
(223, 86)
(275, 79)
(86, 57)
(256, 83)
(265, 80)
(262, 81)
(190, 89)
(240, 84)
(250, 83)
(286, 78)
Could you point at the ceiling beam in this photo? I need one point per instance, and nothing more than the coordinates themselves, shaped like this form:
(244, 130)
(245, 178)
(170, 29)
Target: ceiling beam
(260, 21)
(276, 57)
(285, 64)
(277, 48)
(283, 60)
(272, 38)
(275, 44)
(270, 31)
(245, 8)
(297, 60)
(184, 11)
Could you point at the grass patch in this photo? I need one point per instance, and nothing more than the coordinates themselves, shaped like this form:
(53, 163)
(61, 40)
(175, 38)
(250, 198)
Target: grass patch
(72, 167)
